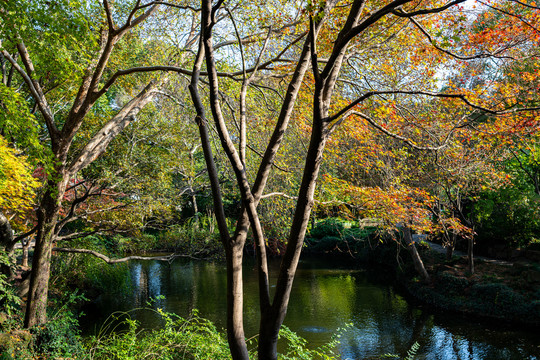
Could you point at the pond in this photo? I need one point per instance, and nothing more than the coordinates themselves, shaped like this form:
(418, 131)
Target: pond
(326, 296)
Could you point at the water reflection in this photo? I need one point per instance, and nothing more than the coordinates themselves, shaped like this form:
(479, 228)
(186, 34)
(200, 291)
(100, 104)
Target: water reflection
(324, 298)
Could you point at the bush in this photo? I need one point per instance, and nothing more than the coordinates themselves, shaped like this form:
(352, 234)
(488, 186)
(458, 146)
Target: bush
(328, 227)
(336, 234)
(59, 337)
(179, 338)
(453, 283)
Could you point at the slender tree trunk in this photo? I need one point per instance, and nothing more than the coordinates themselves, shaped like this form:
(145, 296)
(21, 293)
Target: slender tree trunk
(450, 246)
(25, 248)
(233, 248)
(449, 252)
(7, 240)
(470, 255)
(417, 260)
(272, 316)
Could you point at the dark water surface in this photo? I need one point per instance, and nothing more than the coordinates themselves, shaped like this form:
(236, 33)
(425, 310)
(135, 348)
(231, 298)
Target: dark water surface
(326, 295)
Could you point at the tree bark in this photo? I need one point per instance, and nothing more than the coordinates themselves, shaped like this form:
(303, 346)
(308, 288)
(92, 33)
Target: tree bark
(7, 240)
(272, 317)
(449, 252)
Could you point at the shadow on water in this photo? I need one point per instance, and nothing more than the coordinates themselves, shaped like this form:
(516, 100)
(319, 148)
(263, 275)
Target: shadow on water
(326, 296)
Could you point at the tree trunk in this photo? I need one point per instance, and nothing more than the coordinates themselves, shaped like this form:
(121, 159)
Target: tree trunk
(450, 246)
(235, 302)
(36, 304)
(272, 317)
(470, 255)
(233, 248)
(449, 252)
(417, 260)
(25, 248)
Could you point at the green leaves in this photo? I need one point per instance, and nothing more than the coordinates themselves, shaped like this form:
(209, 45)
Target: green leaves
(60, 35)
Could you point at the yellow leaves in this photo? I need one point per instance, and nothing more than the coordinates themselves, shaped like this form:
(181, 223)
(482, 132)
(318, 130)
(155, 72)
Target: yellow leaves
(17, 185)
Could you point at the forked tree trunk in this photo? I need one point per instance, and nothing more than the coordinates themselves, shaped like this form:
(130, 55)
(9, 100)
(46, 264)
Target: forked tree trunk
(233, 248)
(272, 316)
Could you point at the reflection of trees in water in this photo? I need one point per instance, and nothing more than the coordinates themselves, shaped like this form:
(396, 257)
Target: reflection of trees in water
(146, 277)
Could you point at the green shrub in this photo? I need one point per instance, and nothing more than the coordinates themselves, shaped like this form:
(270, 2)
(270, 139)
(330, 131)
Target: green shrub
(59, 337)
(328, 227)
(453, 283)
(179, 338)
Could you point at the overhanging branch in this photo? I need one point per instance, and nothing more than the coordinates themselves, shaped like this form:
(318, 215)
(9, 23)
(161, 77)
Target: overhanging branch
(108, 260)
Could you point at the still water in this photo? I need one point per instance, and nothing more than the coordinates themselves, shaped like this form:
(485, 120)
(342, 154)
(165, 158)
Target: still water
(326, 295)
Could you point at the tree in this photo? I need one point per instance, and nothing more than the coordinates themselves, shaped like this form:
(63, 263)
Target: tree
(358, 22)
(82, 46)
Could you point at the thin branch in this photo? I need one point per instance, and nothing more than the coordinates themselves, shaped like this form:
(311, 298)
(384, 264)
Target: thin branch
(279, 194)
(262, 156)
(26, 234)
(509, 14)
(35, 89)
(525, 4)
(110, 20)
(398, 137)
(427, 93)
(399, 12)
(183, 7)
(460, 57)
(108, 260)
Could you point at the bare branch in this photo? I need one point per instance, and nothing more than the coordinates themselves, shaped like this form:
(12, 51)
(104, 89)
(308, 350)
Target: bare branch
(108, 260)
(26, 234)
(279, 194)
(427, 93)
(130, 22)
(183, 7)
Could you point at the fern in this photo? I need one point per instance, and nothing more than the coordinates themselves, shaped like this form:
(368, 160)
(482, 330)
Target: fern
(411, 353)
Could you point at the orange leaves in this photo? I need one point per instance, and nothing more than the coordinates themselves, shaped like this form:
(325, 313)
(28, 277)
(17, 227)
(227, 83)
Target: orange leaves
(393, 205)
